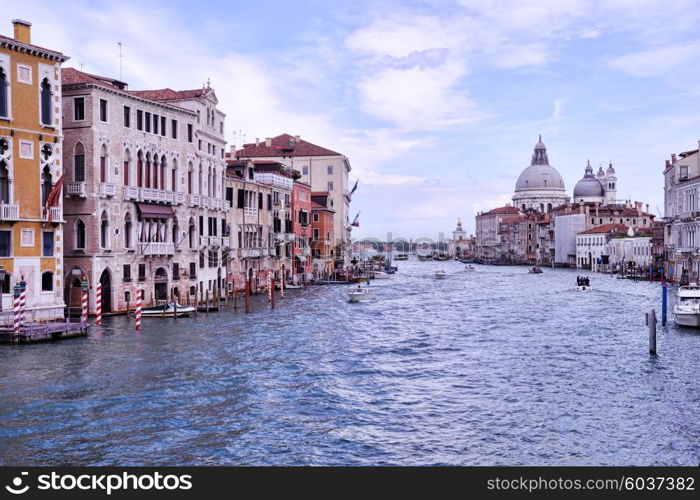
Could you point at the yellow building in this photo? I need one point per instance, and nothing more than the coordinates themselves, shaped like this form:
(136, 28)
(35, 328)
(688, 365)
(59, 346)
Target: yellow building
(30, 173)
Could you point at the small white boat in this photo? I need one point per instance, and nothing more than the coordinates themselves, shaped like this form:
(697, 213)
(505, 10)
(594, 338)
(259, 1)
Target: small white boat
(583, 288)
(380, 275)
(289, 286)
(686, 312)
(358, 294)
(167, 311)
(469, 268)
(440, 275)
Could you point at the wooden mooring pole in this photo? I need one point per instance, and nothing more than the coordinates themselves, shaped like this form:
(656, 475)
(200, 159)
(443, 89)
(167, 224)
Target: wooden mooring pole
(247, 295)
(651, 323)
(664, 299)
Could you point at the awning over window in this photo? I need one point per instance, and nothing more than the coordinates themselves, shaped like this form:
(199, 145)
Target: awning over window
(149, 211)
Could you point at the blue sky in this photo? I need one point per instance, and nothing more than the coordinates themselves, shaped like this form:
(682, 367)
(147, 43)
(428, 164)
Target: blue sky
(436, 103)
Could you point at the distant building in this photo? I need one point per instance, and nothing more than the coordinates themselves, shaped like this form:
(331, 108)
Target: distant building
(461, 245)
(591, 245)
(323, 169)
(631, 252)
(301, 219)
(566, 227)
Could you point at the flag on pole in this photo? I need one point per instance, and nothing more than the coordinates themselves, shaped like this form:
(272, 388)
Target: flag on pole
(354, 187)
(356, 220)
(53, 199)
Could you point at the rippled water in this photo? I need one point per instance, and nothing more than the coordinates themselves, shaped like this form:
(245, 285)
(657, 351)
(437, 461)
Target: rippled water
(492, 367)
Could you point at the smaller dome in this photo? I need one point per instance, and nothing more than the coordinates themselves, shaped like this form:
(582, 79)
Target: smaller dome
(610, 170)
(589, 186)
(600, 174)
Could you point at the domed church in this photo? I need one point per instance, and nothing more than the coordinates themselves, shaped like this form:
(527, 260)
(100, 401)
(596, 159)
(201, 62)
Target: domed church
(600, 188)
(540, 186)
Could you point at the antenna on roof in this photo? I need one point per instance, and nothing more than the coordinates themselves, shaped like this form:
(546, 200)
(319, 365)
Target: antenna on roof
(120, 59)
(81, 66)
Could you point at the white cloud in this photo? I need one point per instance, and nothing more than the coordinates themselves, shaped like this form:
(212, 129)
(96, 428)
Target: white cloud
(658, 61)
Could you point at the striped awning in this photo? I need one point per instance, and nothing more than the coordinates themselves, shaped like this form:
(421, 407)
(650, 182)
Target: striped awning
(151, 211)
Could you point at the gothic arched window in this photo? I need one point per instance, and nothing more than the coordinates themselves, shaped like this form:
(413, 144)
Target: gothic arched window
(46, 102)
(4, 107)
(4, 183)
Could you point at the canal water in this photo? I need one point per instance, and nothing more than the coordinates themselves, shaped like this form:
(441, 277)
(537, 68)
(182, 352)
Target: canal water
(496, 366)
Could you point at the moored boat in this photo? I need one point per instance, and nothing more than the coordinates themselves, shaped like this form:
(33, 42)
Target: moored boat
(686, 312)
(440, 274)
(380, 275)
(169, 310)
(535, 270)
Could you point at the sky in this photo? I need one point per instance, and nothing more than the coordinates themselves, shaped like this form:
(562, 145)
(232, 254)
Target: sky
(437, 104)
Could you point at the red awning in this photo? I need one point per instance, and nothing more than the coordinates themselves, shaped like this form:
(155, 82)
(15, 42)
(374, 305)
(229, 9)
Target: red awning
(149, 211)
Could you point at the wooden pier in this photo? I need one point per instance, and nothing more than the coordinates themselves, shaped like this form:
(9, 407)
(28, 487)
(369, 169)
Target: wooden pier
(42, 332)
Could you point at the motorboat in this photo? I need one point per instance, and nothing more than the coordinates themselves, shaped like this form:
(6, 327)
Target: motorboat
(440, 274)
(469, 268)
(169, 310)
(583, 284)
(535, 270)
(358, 294)
(401, 256)
(292, 286)
(380, 275)
(686, 311)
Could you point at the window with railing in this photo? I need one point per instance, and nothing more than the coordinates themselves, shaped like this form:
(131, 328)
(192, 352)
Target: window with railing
(126, 273)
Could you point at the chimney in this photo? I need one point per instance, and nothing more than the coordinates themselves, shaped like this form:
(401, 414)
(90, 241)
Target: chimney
(23, 31)
(673, 158)
(268, 142)
(297, 138)
(232, 149)
(257, 141)
(668, 164)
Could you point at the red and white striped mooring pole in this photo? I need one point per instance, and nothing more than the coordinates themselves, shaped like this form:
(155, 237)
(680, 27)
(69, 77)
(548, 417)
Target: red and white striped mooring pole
(139, 299)
(98, 304)
(84, 305)
(23, 302)
(16, 309)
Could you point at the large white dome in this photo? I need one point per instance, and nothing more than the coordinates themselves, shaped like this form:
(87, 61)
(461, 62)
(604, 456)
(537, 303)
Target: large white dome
(540, 186)
(540, 175)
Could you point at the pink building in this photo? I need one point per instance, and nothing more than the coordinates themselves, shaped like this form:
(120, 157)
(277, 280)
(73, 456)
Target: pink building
(301, 218)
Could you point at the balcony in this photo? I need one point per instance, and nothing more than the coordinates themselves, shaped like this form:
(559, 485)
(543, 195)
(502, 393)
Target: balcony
(248, 253)
(78, 189)
(54, 213)
(131, 193)
(106, 189)
(156, 248)
(214, 241)
(156, 195)
(9, 212)
(194, 200)
(225, 241)
(179, 198)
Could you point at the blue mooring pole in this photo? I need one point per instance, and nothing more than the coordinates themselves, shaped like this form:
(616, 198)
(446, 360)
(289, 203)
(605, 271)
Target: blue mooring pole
(664, 295)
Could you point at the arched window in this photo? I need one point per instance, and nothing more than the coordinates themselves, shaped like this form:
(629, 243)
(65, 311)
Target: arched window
(189, 178)
(127, 230)
(147, 173)
(139, 169)
(155, 171)
(199, 190)
(103, 163)
(46, 102)
(47, 281)
(4, 108)
(549, 207)
(79, 163)
(80, 236)
(192, 234)
(163, 169)
(176, 230)
(541, 207)
(104, 230)
(127, 165)
(173, 176)
(127, 296)
(4, 183)
(209, 182)
(46, 185)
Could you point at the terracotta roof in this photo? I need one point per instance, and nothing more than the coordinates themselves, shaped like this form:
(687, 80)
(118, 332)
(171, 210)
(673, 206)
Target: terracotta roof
(504, 210)
(71, 76)
(170, 94)
(284, 145)
(48, 53)
(607, 228)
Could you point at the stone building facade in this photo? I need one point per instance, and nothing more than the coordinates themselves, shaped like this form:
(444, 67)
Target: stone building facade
(144, 192)
(31, 144)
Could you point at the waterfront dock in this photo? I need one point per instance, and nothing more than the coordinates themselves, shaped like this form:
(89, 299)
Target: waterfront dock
(41, 332)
